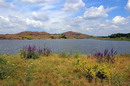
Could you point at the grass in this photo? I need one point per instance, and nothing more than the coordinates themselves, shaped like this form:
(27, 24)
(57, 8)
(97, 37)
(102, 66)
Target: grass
(114, 39)
(55, 70)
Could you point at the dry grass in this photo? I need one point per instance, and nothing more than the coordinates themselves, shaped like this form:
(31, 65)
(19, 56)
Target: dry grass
(57, 71)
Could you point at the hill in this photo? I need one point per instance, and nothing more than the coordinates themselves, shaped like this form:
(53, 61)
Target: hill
(30, 35)
(33, 33)
(75, 35)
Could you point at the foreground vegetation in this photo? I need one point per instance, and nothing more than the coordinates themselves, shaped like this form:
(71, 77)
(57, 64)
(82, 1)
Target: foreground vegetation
(64, 69)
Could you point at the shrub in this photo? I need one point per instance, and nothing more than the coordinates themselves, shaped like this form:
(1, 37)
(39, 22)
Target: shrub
(63, 36)
(106, 55)
(93, 71)
(30, 52)
(103, 73)
(89, 73)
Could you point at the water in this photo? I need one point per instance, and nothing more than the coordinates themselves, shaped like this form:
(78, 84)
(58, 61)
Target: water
(85, 46)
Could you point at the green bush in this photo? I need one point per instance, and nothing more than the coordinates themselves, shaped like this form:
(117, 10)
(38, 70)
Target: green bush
(89, 73)
(28, 55)
(103, 73)
(5, 68)
(3, 60)
(93, 71)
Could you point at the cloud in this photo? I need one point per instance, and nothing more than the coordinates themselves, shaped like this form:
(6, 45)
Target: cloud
(18, 23)
(4, 4)
(57, 16)
(11, 24)
(119, 20)
(35, 1)
(39, 16)
(96, 12)
(128, 5)
(73, 5)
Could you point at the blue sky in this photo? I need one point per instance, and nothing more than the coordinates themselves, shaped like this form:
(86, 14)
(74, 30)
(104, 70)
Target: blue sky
(93, 17)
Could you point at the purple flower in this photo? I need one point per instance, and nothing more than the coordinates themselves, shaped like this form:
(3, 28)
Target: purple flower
(40, 51)
(108, 55)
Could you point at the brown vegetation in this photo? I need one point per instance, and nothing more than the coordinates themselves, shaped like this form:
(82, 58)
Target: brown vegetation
(30, 35)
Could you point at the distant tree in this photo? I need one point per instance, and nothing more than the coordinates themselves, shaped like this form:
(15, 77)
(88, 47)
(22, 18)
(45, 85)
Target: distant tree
(63, 36)
(25, 38)
(119, 35)
(52, 37)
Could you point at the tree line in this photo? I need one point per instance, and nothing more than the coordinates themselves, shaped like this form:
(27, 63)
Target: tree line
(119, 35)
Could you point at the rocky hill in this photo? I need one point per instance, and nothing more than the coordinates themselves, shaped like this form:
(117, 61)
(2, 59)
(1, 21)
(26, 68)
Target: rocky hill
(75, 35)
(31, 35)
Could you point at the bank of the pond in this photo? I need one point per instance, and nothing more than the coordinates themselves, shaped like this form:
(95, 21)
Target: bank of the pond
(113, 39)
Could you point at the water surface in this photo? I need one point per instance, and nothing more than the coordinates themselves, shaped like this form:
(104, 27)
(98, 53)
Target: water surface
(85, 46)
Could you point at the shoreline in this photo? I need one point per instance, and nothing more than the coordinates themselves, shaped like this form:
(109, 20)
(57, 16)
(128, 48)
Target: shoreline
(110, 39)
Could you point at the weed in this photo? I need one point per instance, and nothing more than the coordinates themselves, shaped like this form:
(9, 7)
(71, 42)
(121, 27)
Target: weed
(30, 52)
(47, 51)
(106, 55)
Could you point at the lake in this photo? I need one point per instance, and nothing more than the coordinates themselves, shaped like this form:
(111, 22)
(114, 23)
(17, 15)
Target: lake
(85, 46)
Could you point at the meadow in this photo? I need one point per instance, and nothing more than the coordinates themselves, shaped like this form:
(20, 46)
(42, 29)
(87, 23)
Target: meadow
(44, 68)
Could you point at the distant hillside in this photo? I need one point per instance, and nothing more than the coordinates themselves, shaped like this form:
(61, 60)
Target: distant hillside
(30, 35)
(75, 35)
(33, 33)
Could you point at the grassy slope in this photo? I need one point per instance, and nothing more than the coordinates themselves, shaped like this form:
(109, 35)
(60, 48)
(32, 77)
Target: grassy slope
(57, 71)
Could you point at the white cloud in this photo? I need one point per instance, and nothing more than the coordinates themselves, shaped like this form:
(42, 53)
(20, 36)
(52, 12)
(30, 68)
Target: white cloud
(73, 5)
(4, 4)
(18, 23)
(35, 1)
(39, 16)
(119, 20)
(11, 24)
(96, 12)
(128, 5)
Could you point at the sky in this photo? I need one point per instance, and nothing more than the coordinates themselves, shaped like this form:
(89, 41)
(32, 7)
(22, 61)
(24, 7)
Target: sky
(92, 17)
